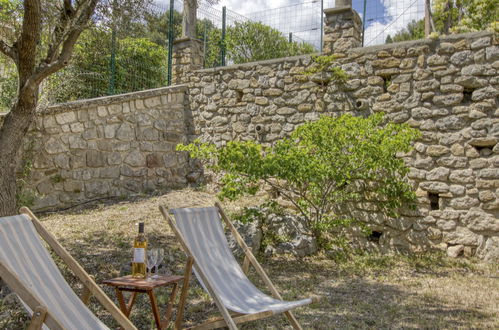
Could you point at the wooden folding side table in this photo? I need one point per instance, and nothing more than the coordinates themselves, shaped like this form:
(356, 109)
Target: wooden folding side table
(135, 285)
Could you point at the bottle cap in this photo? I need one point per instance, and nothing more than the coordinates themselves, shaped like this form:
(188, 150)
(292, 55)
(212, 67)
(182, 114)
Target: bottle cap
(141, 227)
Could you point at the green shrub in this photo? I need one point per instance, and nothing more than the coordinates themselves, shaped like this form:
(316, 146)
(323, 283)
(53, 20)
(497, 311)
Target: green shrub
(323, 168)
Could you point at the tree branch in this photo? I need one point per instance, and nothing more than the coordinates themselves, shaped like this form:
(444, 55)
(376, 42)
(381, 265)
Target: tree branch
(9, 51)
(79, 18)
(67, 13)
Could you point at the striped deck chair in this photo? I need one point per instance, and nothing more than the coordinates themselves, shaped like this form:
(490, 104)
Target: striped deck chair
(200, 232)
(28, 269)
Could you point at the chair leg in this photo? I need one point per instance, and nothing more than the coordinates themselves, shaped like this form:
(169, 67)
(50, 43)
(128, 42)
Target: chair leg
(292, 319)
(86, 294)
(38, 318)
(183, 294)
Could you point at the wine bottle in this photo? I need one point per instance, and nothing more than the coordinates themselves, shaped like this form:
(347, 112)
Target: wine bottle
(139, 254)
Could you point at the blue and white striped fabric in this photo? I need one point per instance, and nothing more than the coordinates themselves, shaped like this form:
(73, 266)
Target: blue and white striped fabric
(23, 252)
(202, 230)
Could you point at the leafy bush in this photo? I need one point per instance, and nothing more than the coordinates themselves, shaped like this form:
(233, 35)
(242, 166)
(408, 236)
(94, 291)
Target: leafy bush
(323, 168)
(140, 64)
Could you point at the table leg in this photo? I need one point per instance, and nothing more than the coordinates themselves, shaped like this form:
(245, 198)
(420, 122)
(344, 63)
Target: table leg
(169, 306)
(154, 307)
(121, 300)
(125, 308)
(131, 301)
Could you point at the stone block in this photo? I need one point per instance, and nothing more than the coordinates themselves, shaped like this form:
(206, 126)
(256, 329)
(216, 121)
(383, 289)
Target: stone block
(446, 225)
(455, 251)
(464, 203)
(135, 159)
(448, 99)
(76, 142)
(462, 176)
(489, 173)
(480, 43)
(470, 81)
(125, 132)
(154, 160)
(114, 158)
(152, 102)
(109, 172)
(67, 117)
(438, 174)
(450, 122)
(488, 92)
(127, 171)
(434, 186)
(461, 235)
(261, 100)
(437, 150)
(95, 158)
(488, 248)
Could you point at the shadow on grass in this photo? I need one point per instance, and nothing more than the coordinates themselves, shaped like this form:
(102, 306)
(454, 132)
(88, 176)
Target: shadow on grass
(352, 300)
(372, 292)
(359, 303)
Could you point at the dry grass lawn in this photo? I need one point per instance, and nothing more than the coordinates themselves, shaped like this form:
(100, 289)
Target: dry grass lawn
(366, 291)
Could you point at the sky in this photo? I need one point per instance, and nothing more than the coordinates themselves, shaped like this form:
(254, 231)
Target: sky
(302, 17)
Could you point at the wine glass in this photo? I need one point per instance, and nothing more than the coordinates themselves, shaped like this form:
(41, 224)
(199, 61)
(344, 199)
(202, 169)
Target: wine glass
(152, 257)
(159, 259)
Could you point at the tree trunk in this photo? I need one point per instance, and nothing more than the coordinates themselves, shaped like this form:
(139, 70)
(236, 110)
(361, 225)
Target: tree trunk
(12, 135)
(189, 19)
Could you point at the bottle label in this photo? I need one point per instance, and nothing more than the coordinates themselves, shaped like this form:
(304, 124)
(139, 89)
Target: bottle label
(139, 255)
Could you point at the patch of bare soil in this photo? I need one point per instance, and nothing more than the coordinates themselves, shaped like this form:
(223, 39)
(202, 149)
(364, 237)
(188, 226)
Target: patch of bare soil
(363, 291)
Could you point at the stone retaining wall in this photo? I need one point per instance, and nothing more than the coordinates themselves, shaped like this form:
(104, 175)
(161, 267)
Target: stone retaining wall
(447, 88)
(111, 146)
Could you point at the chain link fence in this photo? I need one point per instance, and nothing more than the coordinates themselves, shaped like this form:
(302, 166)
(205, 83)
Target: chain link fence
(129, 45)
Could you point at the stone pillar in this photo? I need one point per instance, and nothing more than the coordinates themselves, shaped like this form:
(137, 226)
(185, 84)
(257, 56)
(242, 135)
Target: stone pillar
(187, 57)
(343, 28)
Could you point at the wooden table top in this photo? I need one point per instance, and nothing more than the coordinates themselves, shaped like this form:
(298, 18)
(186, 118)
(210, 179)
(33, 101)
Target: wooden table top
(142, 283)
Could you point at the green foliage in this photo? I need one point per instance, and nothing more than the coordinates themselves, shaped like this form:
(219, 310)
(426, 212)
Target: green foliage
(140, 64)
(413, 31)
(8, 84)
(10, 12)
(252, 41)
(458, 16)
(453, 16)
(326, 64)
(323, 168)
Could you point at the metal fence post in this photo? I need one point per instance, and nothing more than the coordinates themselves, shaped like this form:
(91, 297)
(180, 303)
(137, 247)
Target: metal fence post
(170, 43)
(364, 22)
(290, 37)
(322, 24)
(204, 42)
(112, 64)
(222, 45)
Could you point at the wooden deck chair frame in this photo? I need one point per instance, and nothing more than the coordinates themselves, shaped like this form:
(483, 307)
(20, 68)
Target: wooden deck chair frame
(41, 314)
(229, 320)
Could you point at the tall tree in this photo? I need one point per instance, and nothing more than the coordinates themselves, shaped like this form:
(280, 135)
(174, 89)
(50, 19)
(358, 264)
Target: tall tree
(453, 16)
(35, 60)
(459, 16)
(413, 31)
(252, 41)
